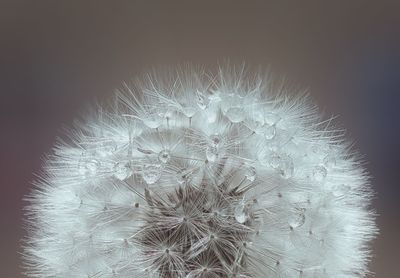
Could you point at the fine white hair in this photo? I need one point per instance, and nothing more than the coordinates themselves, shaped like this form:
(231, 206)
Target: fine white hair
(196, 174)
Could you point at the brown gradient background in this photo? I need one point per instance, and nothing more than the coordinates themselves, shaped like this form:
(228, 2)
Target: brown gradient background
(58, 57)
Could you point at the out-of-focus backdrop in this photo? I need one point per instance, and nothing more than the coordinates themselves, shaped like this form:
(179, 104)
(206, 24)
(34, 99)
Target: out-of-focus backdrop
(58, 57)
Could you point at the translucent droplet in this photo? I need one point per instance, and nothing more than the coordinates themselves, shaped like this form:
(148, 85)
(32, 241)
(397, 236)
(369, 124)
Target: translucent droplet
(275, 160)
(283, 163)
(298, 218)
(168, 113)
(320, 149)
(215, 140)
(256, 126)
(181, 176)
(202, 101)
(164, 156)
(340, 190)
(152, 119)
(235, 114)
(330, 160)
(189, 111)
(319, 173)
(286, 166)
(270, 132)
(212, 150)
(122, 170)
(251, 173)
(152, 173)
(258, 116)
(212, 114)
(108, 148)
(241, 212)
(89, 167)
(264, 157)
(255, 121)
(212, 153)
(272, 118)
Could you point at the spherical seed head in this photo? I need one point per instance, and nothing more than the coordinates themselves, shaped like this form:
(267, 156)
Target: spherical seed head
(197, 174)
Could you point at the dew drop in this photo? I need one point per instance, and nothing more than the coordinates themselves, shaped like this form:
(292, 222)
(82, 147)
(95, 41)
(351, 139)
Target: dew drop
(152, 119)
(235, 114)
(264, 157)
(151, 122)
(212, 115)
(256, 121)
(215, 140)
(283, 163)
(152, 173)
(251, 173)
(202, 101)
(241, 212)
(181, 176)
(89, 167)
(319, 173)
(164, 156)
(330, 160)
(286, 166)
(340, 190)
(270, 132)
(275, 160)
(108, 148)
(272, 118)
(189, 111)
(122, 170)
(213, 147)
(297, 219)
(211, 153)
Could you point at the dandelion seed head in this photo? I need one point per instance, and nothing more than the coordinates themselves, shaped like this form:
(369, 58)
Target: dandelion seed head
(199, 175)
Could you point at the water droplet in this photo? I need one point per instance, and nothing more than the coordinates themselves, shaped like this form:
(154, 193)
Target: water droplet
(152, 173)
(298, 218)
(181, 176)
(152, 118)
(89, 167)
(122, 170)
(274, 161)
(340, 190)
(189, 111)
(330, 160)
(202, 101)
(256, 126)
(272, 118)
(108, 148)
(282, 163)
(264, 157)
(151, 122)
(251, 173)
(211, 153)
(320, 149)
(241, 212)
(270, 132)
(319, 173)
(286, 166)
(255, 121)
(164, 156)
(235, 114)
(215, 140)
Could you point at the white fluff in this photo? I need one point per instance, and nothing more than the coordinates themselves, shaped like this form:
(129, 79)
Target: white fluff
(193, 174)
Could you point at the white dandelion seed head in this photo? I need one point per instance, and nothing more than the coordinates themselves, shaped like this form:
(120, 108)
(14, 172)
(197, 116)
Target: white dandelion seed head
(197, 175)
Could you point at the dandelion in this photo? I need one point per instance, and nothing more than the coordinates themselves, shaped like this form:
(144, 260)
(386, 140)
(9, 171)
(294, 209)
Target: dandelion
(201, 175)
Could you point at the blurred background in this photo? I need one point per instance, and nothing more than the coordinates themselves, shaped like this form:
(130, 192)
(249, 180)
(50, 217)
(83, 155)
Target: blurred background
(58, 57)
